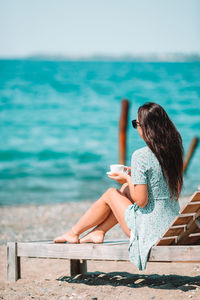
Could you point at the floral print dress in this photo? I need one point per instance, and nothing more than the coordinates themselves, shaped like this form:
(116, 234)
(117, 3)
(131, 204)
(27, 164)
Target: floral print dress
(148, 224)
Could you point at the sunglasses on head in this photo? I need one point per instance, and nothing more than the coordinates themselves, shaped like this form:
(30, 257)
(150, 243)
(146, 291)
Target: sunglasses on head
(135, 123)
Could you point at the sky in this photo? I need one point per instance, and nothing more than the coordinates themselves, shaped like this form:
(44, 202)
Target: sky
(98, 27)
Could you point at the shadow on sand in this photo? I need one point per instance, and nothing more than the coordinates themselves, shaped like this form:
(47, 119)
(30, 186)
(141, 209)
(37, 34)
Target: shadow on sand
(169, 282)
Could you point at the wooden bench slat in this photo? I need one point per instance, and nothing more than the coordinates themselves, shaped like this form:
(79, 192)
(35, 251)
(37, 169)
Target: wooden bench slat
(105, 252)
(74, 251)
(175, 230)
(175, 253)
(191, 208)
(182, 219)
(195, 197)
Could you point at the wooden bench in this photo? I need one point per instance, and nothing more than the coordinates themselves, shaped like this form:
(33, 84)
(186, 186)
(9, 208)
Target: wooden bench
(78, 254)
(180, 243)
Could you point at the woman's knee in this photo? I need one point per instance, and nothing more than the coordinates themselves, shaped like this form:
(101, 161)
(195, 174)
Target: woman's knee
(111, 194)
(112, 191)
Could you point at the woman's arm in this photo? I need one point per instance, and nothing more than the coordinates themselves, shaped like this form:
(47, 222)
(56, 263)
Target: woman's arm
(138, 192)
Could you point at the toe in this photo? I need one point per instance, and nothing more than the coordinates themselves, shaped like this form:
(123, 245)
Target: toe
(59, 239)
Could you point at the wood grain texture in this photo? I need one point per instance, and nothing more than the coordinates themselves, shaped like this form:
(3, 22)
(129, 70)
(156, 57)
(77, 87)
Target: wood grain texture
(192, 207)
(75, 251)
(13, 263)
(182, 220)
(175, 253)
(175, 230)
(195, 197)
(106, 252)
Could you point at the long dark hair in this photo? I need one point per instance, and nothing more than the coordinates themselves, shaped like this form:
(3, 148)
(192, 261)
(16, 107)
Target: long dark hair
(162, 137)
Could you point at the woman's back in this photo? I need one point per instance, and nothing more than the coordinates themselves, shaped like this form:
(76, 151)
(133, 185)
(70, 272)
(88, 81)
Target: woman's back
(145, 169)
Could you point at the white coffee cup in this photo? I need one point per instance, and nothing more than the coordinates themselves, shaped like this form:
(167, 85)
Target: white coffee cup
(116, 168)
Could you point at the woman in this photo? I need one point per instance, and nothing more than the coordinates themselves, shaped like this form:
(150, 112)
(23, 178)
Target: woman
(147, 202)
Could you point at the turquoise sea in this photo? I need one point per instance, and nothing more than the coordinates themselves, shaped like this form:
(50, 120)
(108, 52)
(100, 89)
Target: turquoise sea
(59, 123)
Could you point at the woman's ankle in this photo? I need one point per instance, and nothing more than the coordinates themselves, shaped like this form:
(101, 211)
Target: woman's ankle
(100, 230)
(74, 231)
(95, 236)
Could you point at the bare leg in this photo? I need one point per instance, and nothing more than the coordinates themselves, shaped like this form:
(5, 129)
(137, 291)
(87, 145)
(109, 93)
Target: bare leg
(97, 234)
(112, 200)
(95, 215)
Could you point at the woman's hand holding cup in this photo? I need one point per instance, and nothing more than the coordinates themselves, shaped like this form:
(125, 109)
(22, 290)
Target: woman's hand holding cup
(118, 173)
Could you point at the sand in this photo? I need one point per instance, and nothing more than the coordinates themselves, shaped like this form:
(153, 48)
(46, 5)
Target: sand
(49, 278)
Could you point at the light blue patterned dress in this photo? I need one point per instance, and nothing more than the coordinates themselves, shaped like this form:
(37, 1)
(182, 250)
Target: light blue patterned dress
(148, 224)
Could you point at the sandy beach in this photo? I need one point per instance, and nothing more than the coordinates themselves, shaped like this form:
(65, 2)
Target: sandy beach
(49, 278)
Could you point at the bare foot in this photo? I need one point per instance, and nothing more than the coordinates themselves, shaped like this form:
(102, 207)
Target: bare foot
(95, 236)
(69, 236)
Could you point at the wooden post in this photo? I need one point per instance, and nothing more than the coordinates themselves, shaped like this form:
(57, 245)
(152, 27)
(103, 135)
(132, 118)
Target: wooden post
(188, 157)
(13, 263)
(123, 131)
(78, 266)
(83, 266)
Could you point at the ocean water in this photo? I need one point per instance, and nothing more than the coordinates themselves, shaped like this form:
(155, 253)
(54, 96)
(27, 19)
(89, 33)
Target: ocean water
(59, 123)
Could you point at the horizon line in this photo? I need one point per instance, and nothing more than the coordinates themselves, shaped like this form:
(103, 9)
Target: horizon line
(144, 57)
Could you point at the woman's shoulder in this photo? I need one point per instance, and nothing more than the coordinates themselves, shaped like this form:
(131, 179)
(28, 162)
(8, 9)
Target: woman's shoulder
(140, 159)
(143, 152)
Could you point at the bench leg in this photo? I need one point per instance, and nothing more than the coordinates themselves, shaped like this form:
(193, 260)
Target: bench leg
(13, 263)
(78, 266)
